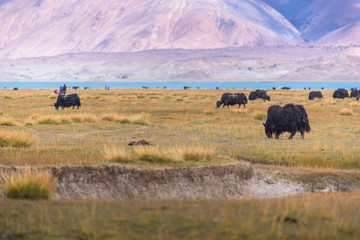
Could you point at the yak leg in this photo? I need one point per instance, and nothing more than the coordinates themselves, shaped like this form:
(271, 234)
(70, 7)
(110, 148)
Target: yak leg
(302, 133)
(277, 135)
(73, 106)
(292, 135)
(244, 105)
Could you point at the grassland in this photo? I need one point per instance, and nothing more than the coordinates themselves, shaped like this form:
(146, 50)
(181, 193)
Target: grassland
(186, 124)
(317, 216)
(171, 118)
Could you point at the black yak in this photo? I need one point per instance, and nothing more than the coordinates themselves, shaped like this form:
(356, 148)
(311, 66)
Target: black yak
(354, 93)
(259, 94)
(341, 93)
(232, 99)
(64, 101)
(290, 118)
(315, 94)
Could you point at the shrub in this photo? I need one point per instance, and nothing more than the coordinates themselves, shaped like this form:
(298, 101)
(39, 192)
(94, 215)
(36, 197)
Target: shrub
(29, 185)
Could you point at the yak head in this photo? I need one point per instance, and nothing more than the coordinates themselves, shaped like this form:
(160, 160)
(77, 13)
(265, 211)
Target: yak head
(56, 105)
(267, 97)
(218, 104)
(268, 130)
(58, 101)
(245, 98)
(305, 123)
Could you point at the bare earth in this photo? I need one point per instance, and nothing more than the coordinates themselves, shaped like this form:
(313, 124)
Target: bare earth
(234, 181)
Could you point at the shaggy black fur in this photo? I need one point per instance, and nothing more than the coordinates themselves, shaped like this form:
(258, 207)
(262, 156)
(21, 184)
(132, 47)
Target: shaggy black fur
(232, 99)
(259, 94)
(290, 118)
(67, 101)
(315, 94)
(341, 93)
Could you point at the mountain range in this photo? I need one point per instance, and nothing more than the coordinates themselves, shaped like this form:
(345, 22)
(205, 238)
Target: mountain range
(36, 28)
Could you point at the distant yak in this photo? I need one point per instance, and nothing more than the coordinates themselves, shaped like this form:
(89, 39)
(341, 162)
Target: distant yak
(259, 94)
(315, 94)
(232, 99)
(341, 93)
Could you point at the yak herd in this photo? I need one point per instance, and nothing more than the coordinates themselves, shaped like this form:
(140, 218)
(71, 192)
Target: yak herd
(289, 118)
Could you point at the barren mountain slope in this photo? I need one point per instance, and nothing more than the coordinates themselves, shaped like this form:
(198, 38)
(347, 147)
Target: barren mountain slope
(325, 21)
(48, 27)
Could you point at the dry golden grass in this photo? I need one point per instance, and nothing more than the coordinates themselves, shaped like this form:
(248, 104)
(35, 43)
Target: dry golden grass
(141, 119)
(28, 184)
(7, 122)
(156, 155)
(239, 111)
(346, 112)
(209, 111)
(17, 139)
(77, 136)
(315, 216)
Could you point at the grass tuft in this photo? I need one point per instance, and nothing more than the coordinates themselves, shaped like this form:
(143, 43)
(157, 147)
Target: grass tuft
(29, 185)
(17, 140)
(7, 122)
(346, 112)
(157, 155)
(141, 119)
(49, 120)
(260, 116)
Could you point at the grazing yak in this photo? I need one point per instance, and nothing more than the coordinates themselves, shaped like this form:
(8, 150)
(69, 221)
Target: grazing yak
(232, 99)
(355, 93)
(64, 101)
(341, 93)
(315, 94)
(259, 94)
(290, 118)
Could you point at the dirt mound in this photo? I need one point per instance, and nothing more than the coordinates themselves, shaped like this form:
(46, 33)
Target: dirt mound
(224, 181)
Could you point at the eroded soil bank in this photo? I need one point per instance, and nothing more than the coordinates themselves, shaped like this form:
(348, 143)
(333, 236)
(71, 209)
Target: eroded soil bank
(225, 181)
